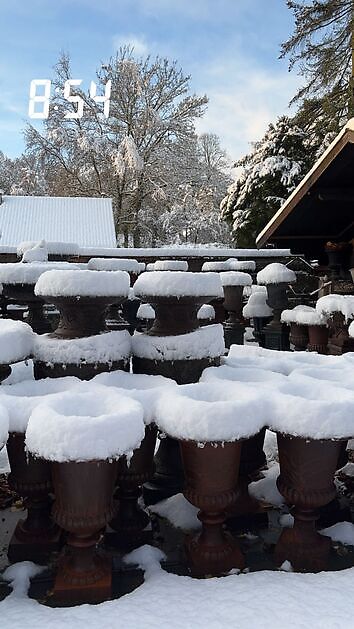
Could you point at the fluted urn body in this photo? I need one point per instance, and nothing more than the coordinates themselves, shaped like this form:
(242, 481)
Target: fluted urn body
(306, 481)
(211, 477)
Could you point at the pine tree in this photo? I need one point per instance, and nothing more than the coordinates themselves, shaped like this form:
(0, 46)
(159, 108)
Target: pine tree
(320, 47)
(266, 177)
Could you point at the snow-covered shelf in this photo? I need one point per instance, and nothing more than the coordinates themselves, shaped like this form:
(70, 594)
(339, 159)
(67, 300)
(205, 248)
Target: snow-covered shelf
(59, 248)
(185, 252)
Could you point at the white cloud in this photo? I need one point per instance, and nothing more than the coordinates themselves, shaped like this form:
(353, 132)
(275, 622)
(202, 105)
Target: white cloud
(243, 100)
(137, 42)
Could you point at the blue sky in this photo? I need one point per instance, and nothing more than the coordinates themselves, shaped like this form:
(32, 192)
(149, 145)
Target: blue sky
(229, 47)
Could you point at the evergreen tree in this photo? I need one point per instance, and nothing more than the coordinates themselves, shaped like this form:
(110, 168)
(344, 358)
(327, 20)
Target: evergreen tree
(320, 47)
(266, 177)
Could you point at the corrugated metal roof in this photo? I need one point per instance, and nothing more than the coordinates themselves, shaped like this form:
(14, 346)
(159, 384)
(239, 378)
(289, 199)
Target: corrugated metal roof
(85, 220)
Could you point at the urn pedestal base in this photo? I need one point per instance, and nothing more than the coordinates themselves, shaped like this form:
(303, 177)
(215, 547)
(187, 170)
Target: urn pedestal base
(302, 545)
(215, 559)
(37, 547)
(233, 334)
(73, 586)
(276, 337)
(85, 371)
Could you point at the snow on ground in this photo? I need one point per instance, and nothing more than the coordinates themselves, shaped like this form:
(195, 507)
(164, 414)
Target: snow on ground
(265, 489)
(342, 532)
(270, 600)
(178, 511)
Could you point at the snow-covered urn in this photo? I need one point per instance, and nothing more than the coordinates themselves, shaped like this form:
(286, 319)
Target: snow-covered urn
(82, 435)
(276, 277)
(130, 524)
(308, 328)
(306, 481)
(176, 347)
(35, 536)
(209, 423)
(18, 281)
(145, 316)
(81, 345)
(218, 303)
(233, 283)
(171, 265)
(339, 311)
(258, 310)
(16, 344)
(206, 314)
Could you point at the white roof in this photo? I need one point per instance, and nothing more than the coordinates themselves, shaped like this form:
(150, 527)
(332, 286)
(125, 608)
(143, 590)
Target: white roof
(86, 221)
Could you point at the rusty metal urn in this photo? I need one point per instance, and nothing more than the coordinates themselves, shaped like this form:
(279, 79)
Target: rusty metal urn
(306, 481)
(318, 339)
(276, 333)
(37, 535)
(174, 315)
(83, 506)
(234, 325)
(339, 341)
(211, 475)
(81, 316)
(299, 337)
(130, 519)
(23, 295)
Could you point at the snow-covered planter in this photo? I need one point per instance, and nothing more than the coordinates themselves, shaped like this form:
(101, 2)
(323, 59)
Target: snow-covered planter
(306, 481)
(233, 283)
(131, 520)
(16, 344)
(340, 312)
(114, 264)
(82, 298)
(258, 310)
(209, 423)
(308, 328)
(276, 277)
(19, 279)
(83, 434)
(176, 347)
(171, 265)
(145, 316)
(36, 535)
(206, 314)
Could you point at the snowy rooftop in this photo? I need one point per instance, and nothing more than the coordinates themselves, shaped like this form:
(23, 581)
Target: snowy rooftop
(83, 220)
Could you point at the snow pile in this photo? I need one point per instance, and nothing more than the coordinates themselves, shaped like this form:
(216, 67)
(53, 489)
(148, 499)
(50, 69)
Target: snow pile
(257, 306)
(179, 512)
(250, 290)
(171, 265)
(206, 312)
(150, 266)
(223, 265)
(248, 375)
(266, 489)
(111, 424)
(114, 264)
(173, 601)
(59, 248)
(37, 253)
(303, 315)
(202, 413)
(235, 278)
(329, 304)
(275, 273)
(22, 398)
(342, 532)
(24, 273)
(241, 265)
(16, 341)
(145, 311)
(4, 425)
(83, 284)
(178, 284)
(205, 342)
(100, 348)
(141, 387)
